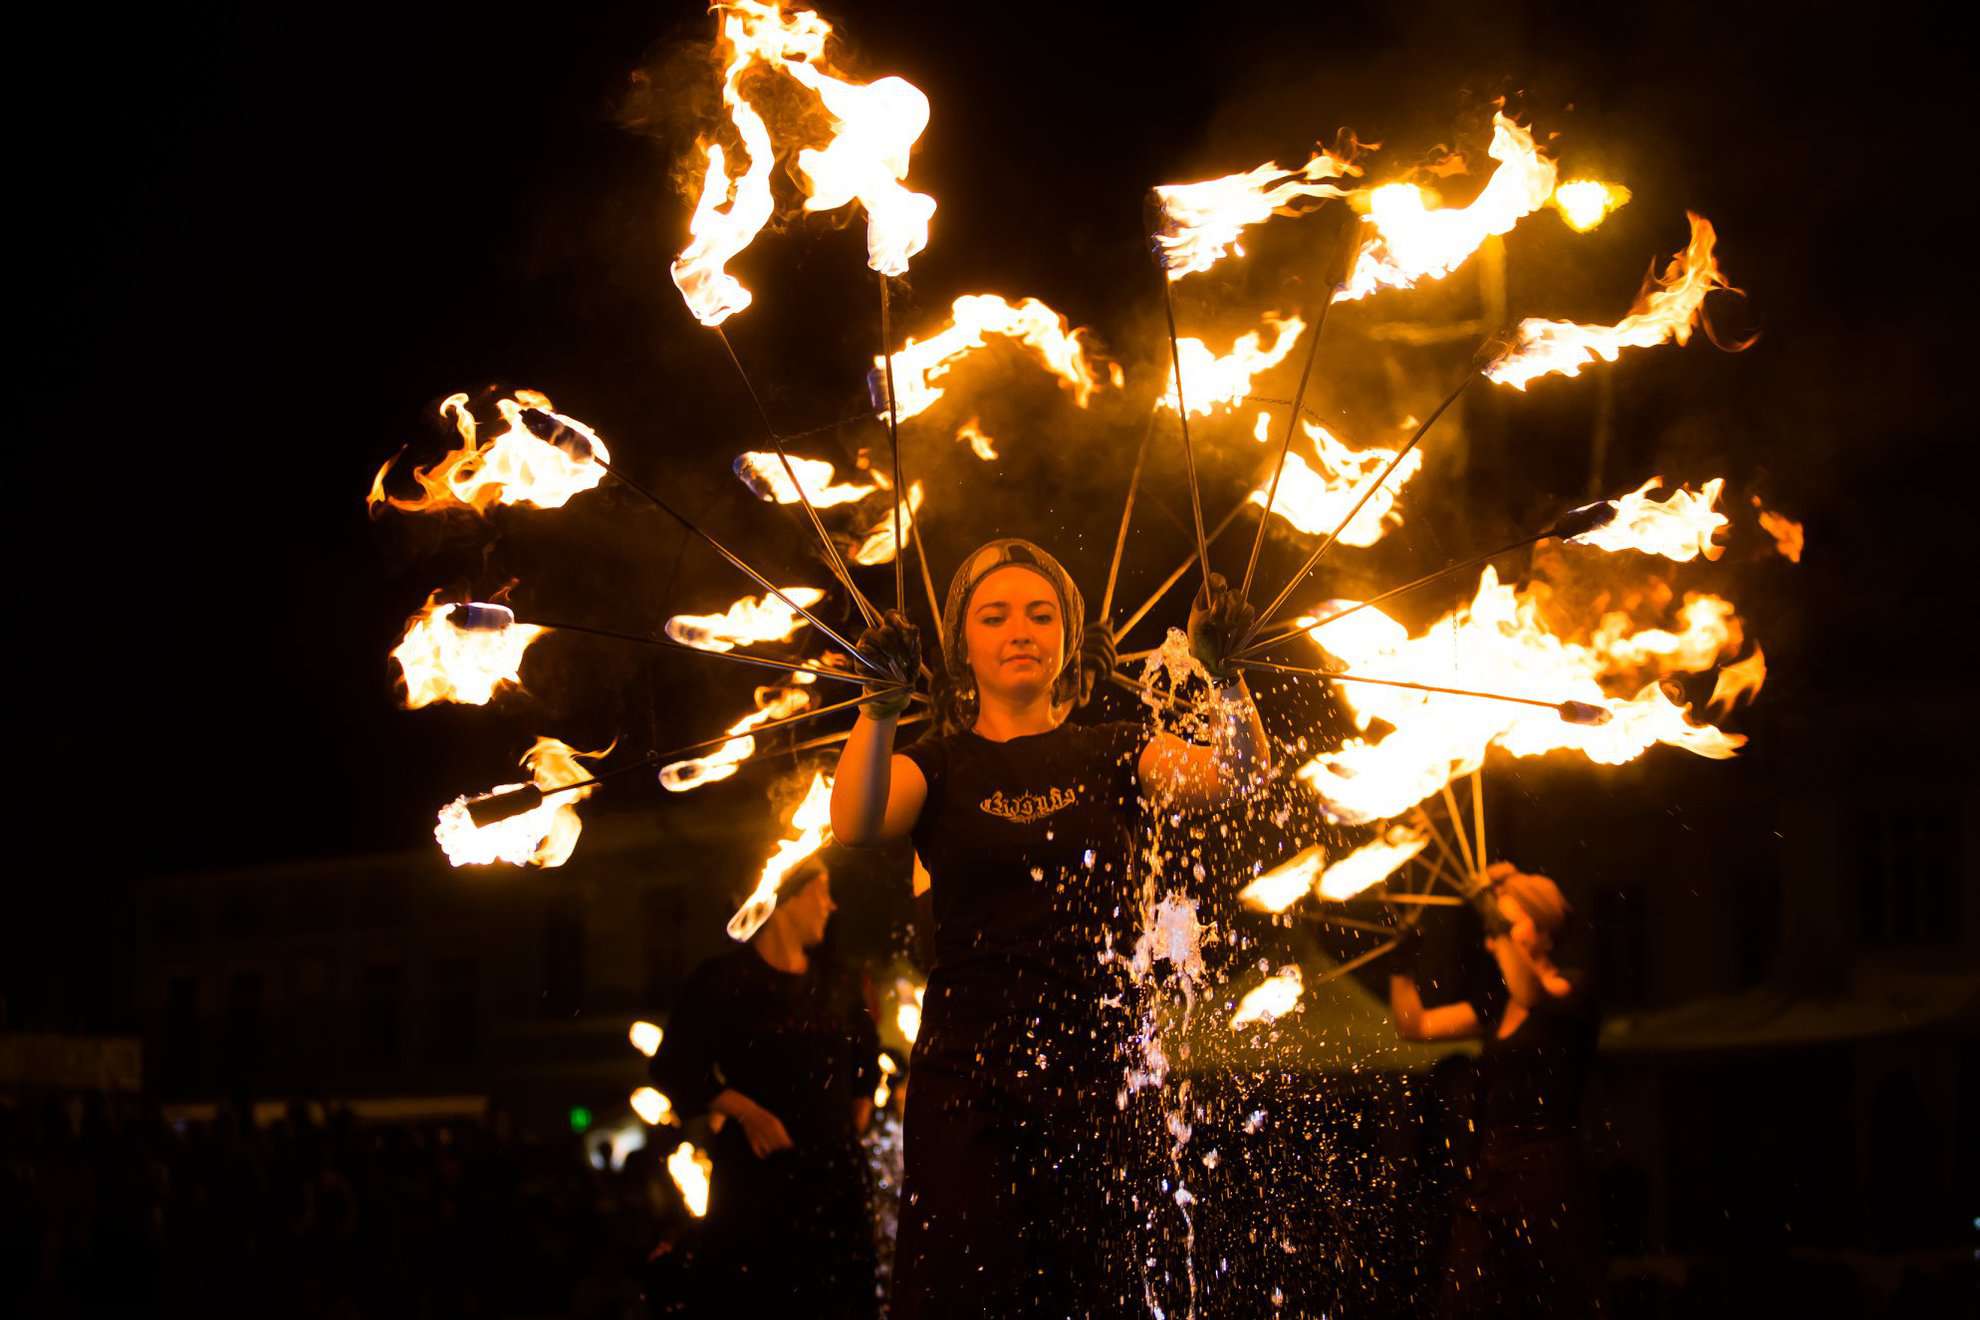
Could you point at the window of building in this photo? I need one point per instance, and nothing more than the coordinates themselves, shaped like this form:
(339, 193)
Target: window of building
(240, 915)
(244, 1045)
(1908, 874)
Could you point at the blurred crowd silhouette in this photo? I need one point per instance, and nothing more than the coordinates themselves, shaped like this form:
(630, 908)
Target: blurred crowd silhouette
(108, 1210)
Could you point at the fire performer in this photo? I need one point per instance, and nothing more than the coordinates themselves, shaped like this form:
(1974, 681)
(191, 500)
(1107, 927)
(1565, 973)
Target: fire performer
(1526, 1239)
(1014, 1204)
(777, 1046)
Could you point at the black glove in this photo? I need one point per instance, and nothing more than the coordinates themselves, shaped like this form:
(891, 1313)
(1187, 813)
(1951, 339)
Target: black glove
(894, 647)
(1219, 621)
(1097, 657)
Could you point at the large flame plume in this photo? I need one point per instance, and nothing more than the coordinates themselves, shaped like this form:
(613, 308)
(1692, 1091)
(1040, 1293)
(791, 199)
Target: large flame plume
(763, 618)
(1211, 381)
(1665, 312)
(812, 822)
(1679, 528)
(763, 472)
(1313, 499)
(877, 546)
(543, 836)
(1033, 326)
(1413, 241)
(772, 703)
(1500, 645)
(516, 466)
(874, 126)
(440, 661)
(1202, 222)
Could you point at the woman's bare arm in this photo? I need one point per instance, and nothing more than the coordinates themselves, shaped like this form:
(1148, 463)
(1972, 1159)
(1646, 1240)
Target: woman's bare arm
(1415, 1022)
(1186, 775)
(876, 793)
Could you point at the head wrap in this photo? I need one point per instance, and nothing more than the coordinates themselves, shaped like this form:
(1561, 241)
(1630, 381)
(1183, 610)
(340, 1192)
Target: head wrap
(981, 564)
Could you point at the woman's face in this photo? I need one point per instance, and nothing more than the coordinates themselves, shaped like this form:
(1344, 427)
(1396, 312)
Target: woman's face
(1014, 634)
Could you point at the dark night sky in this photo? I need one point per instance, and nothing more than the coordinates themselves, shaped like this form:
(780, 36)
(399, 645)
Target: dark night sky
(272, 240)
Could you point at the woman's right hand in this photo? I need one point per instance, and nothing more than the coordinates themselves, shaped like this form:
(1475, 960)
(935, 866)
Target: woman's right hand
(763, 1129)
(894, 647)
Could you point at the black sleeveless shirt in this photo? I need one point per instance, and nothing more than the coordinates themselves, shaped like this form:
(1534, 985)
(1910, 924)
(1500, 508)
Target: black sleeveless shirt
(1029, 846)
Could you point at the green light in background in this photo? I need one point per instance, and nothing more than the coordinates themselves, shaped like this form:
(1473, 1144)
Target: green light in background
(580, 1119)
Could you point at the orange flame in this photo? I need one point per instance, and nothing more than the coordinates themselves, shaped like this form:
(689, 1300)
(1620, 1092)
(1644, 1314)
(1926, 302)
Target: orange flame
(645, 1037)
(885, 1086)
(972, 431)
(1270, 1000)
(1789, 536)
(1315, 499)
(1708, 629)
(1285, 884)
(1738, 682)
(873, 128)
(878, 546)
(653, 1107)
(1036, 328)
(1211, 382)
(1371, 864)
(1679, 528)
(1584, 204)
(762, 618)
(515, 467)
(440, 662)
(772, 703)
(1202, 222)
(1497, 643)
(1415, 242)
(763, 472)
(909, 996)
(543, 836)
(689, 1169)
(813, 822)
(1665, 311)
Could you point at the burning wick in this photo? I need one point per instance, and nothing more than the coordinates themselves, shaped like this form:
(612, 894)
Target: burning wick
(547, 428)
(493, 808)
(475, 616)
